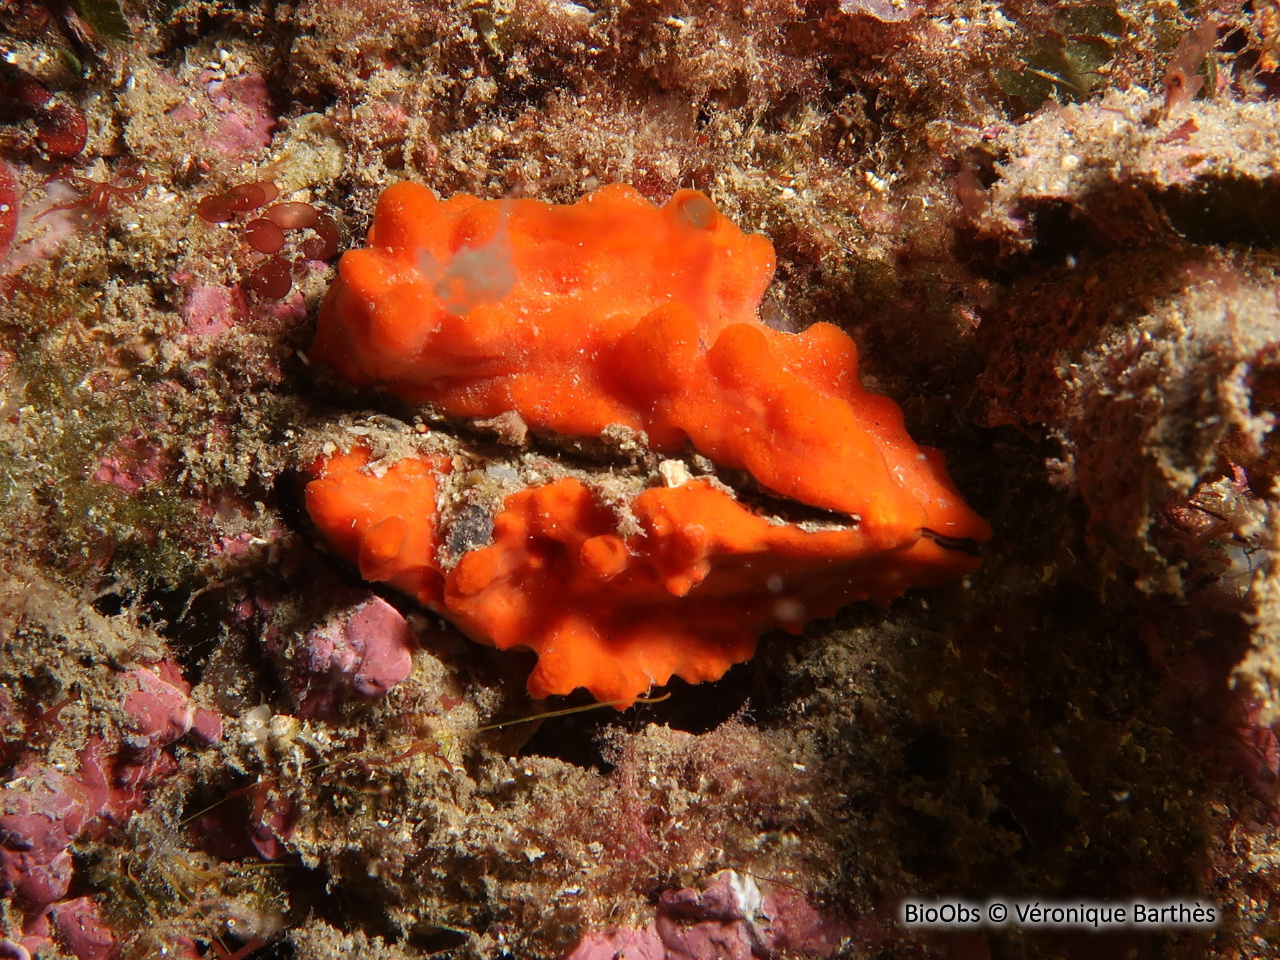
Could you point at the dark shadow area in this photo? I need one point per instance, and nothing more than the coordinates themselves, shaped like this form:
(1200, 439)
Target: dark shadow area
(432, 940)
(692, 708)
(116, 602)
(192, 623)
(1227, 210)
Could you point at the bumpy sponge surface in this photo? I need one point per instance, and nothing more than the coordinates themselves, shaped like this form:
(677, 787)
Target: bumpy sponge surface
(612, 313)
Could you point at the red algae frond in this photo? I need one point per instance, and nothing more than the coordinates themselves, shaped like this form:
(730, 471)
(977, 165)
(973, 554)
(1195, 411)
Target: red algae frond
(612, 313)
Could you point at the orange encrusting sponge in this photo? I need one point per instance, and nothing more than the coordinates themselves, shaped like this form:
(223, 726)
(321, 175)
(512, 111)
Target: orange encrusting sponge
(385, 525)
(687, 596)
(612, 312)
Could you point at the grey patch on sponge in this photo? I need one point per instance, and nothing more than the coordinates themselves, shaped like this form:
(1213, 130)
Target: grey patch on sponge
(472, 528)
